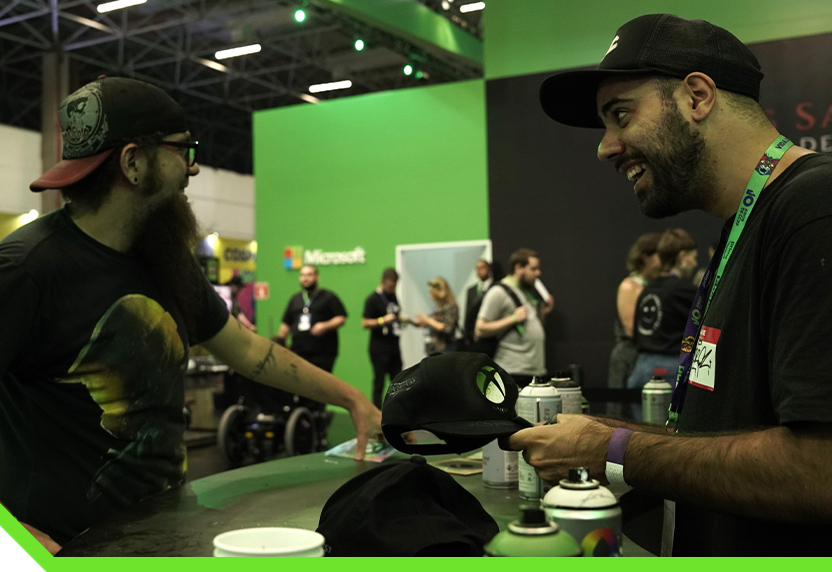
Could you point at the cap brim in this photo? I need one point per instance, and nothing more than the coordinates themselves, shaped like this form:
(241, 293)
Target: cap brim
(571, 97)
(69, 171)
(468, 429)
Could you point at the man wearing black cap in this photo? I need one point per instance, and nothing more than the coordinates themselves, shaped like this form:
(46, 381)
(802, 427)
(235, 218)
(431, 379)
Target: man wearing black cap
(677, 100)
(100, 301)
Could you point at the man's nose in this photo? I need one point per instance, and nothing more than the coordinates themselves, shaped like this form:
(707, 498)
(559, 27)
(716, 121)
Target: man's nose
(610, 146)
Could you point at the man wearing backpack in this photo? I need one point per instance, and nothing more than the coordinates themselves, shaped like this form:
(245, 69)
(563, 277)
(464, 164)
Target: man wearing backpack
(514, 314)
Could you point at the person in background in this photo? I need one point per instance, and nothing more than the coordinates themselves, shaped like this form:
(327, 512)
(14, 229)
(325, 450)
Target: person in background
(440, 327)
(473, 301)
(101, 300)
(313, 317)
(700, 273)
(518, 324)
(381, 317)
(662, 309)
(236, 284)
(643, 264)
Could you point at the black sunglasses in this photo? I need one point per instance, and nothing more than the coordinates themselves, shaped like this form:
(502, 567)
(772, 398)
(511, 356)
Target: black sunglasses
(189, 155)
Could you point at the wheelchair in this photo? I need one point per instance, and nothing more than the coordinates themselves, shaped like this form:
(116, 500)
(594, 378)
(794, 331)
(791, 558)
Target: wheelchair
(264, 423)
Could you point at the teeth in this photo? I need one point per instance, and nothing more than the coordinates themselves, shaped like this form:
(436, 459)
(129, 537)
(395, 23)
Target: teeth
(634, 171)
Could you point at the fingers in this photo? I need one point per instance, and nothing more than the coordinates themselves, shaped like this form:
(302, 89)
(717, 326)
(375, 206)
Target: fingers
(519, 440)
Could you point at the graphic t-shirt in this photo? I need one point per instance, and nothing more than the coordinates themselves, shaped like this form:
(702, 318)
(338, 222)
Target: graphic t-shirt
(661, 314)
(93, 357)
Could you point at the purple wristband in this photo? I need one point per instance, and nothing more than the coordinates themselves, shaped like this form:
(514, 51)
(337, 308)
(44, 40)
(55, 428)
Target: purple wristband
(615, 456)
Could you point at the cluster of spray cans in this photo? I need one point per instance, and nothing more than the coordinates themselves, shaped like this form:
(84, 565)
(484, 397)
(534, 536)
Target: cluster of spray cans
(578, 517)
(541, 401)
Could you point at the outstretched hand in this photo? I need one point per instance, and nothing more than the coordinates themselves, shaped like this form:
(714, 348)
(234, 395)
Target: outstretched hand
(366, 418)
(574, 441)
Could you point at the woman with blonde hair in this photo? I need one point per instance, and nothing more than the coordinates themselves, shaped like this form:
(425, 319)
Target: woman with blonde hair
(440, 326)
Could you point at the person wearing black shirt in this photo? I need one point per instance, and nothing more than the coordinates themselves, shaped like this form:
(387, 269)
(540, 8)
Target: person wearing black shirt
(662, 310)
(748, 470)
(313, 317)
(101, 300)
(381, 317)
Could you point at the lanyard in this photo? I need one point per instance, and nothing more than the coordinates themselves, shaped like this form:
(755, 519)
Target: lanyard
(715, 269)
(307, 301)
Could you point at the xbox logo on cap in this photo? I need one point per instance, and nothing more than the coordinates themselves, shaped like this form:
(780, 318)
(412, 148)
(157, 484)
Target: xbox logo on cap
(491, 385)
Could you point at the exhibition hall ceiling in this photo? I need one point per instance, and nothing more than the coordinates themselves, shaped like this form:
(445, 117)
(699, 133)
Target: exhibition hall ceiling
(172, 43)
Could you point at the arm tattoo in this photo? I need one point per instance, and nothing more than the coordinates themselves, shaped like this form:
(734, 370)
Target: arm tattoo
(262, 365)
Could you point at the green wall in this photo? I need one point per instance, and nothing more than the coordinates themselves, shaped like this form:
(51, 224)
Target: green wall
(533, 36)
(371, 171)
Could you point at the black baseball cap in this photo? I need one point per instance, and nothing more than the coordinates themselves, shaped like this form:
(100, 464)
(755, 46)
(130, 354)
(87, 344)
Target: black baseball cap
(464, 398)
(405, 508)
(104, 115)
(655, 44)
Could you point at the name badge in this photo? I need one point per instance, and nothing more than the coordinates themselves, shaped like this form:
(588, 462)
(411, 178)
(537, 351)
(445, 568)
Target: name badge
(703, 367)
(304, 323)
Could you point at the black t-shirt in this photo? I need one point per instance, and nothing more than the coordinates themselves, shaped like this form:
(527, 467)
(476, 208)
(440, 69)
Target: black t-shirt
(323, 306)
(662, 311)
(377, 305)
(766, 352)
(93, 357)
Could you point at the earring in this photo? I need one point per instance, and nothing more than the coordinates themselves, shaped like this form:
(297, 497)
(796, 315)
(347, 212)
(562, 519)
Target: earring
(136, 180)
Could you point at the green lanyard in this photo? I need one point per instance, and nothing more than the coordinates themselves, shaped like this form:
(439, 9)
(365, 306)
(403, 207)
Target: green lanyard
(710, 280)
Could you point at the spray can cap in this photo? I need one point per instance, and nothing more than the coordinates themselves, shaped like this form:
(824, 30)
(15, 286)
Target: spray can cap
(659, 373)
(533, 522)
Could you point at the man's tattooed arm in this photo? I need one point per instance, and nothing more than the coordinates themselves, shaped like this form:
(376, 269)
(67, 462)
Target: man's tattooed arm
(265, 363)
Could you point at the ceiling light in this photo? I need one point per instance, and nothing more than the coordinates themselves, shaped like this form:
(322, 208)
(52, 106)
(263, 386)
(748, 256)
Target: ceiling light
(359, 45)
(234, 52)
(317, 88)
(446, 5)
(408, 69)
(118, 5)
(473, 7)
(300, 15)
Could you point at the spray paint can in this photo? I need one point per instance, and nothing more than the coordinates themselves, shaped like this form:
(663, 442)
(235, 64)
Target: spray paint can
(537, 402)
(586, 510)
(532, 535)
(570, 392)
(499, 468)
(655, 398)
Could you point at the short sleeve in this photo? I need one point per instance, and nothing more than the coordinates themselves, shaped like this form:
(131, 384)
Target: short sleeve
(493, 304)
(336, 307)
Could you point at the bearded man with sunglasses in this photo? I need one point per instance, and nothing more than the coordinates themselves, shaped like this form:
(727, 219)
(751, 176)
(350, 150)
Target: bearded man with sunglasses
(100, 301)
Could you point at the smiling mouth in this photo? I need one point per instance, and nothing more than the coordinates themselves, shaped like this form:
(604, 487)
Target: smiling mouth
(635, 172)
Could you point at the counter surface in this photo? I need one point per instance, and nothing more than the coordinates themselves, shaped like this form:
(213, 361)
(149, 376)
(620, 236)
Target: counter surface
(287, 492)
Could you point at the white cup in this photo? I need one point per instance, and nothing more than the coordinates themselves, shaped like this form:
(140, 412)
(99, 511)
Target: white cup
(269, 542)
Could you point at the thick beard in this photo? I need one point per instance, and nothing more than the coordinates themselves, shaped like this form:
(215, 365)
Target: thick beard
(164, 241)
(678, 163)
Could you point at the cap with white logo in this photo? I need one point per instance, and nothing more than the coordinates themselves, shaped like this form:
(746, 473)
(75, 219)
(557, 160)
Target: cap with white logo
(655, 44)
(103, 115)
(464, 398)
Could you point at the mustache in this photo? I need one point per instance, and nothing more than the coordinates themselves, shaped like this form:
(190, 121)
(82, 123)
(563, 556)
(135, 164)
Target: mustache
(631, 156)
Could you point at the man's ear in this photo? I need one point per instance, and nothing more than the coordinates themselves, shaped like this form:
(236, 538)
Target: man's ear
(131, 163)
(700, 93)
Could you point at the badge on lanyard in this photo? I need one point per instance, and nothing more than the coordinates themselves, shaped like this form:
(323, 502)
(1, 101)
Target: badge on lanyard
(304, 322)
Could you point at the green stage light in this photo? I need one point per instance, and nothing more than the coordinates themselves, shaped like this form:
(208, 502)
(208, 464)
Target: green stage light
(359, 45)
(408, 69)
(300, 15)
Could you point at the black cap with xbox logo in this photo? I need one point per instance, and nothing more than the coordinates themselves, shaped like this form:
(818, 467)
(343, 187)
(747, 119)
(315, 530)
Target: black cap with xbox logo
(103, 115)
(463, 398)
